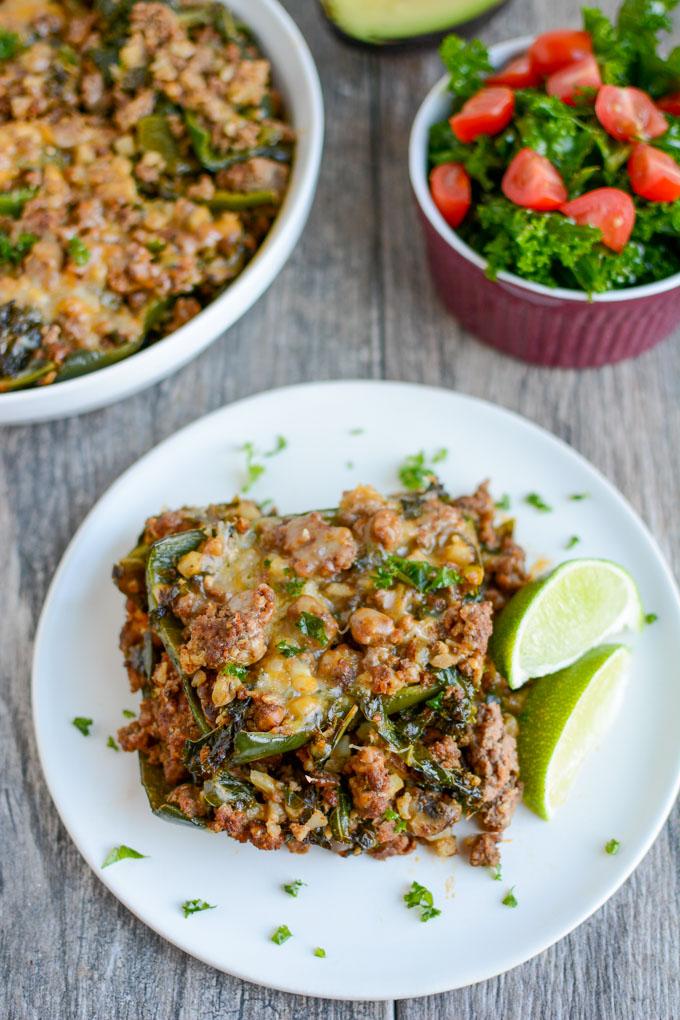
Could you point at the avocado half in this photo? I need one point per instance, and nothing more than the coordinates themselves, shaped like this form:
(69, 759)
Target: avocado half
(393, 21)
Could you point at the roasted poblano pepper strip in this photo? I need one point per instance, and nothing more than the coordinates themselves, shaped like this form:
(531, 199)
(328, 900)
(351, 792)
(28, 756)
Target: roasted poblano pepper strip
(228, 789)
(236, 201)
(154, 135)
(416, 756)
(83, 362)
(158, 790)
(339, 818)
(213, 160)
(407, 697)
(161, 571)
(27, 378)
(252, 746)
(129, 573)
(12, 202)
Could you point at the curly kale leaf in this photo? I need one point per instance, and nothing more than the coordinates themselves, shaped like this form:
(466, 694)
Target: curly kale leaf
(467, 61)
(484, 159)
(628, 51)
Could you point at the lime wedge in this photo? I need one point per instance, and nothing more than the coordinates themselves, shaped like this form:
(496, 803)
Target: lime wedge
(565, 715)
(551, 622)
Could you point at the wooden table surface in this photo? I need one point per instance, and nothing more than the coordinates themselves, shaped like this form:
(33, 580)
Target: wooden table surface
(355, 301)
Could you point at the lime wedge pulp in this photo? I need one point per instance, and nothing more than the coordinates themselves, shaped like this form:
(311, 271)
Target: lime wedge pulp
(565, 716)
(551, 622)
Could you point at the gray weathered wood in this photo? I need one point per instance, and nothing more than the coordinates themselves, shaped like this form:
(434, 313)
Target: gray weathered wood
(354, 301)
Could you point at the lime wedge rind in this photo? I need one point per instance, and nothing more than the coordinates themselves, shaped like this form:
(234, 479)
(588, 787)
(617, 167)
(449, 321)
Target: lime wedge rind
(565, 717)
(551, 622)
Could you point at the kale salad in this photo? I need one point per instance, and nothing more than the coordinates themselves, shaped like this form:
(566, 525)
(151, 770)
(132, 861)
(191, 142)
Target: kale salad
(563, 167)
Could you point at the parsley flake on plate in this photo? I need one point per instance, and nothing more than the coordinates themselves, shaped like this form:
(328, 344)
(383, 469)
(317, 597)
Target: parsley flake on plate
(120, 853)
(83, 724)
(321, 953)
(282, 934)
(79, 252)
(112, 744)
(651, 618)
(510, 900)
(128, 713)
(293, 888)
(190, 907)
(420, 897)
(503, 503)
(574, 540)
(417, 473)
(612, 846)
(393, 816)
(537, 502)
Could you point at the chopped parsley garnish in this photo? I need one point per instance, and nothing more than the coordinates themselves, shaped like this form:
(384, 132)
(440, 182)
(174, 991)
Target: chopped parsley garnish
(232, 669)
(10, 44)
(253, 469)
(294, 585)
(612, 846)
(496, 873)
(79, 251)
(349, 465)
(537, 502)
(112, 744)
(293, 888)
(356, 432)
(321, 953)
(287, 649)
(155, 246)
(393, 816)
(13, 252)
(128, 713)
(576, 496)
(83, 724)
(420, 575)
(419, 896)
(120, 853)
(510, 900)
(503, 503)
(282, 934)
(313, 627)
(281, 444)
(416, 473)
(190, 907)
(651, 618)
(436, 701)
(574, 540)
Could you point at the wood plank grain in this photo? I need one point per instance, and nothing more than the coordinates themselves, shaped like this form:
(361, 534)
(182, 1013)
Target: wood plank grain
(355, 300)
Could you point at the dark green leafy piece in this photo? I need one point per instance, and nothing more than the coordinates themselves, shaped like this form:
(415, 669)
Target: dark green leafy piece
(321, 953)
(78, 251)
(287, 649)
(20, 338)
(537, 502)
(112, 744)
(83, 724)
(158, 790)
(650, 618)
(422, 576)
(154, 135)
(12, 253)
(612, 846)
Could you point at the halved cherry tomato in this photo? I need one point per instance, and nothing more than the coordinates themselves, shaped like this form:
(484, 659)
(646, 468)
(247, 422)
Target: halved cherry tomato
(565, 84)
(520, 73)
(451, 192)
(486, 113)
(654, 174)
(669, 103)
(553, 50)
(610, 209)
(533, 182)
(628, 114)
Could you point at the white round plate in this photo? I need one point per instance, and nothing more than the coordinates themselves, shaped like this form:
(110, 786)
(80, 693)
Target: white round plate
(295, 76)
(353, 908)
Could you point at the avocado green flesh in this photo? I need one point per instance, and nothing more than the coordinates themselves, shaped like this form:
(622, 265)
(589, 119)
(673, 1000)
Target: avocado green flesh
(379, 21)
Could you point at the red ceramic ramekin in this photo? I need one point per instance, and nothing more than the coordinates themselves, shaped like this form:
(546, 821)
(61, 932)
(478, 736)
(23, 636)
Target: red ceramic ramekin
(543, 325)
